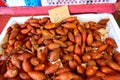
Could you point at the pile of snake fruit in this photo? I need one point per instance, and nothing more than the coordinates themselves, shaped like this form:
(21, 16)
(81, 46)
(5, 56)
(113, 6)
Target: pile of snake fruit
(71, 49)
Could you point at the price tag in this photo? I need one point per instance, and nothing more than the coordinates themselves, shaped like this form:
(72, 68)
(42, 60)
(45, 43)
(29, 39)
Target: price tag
(58, 14)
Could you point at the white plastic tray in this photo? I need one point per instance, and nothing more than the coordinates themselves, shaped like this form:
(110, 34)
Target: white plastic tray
(112, 27)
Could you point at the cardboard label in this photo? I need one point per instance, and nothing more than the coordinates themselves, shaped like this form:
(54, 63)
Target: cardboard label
(58, 14)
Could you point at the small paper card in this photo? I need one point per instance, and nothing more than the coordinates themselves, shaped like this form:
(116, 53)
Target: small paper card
(58, 14)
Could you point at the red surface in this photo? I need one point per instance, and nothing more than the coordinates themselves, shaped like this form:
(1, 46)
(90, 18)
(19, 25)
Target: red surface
(96, 8)
(3, 21)
(2, 3)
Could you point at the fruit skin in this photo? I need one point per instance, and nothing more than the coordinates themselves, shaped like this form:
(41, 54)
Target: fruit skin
(24, 31)
(36, 75)
(50, 26)
(116, 56)
(62, 70)
(77, 59)
(111, 42)
(113, 65)
(52, 68)
(102, 47)
(70, 48)
(34, 61)
(91, 70)
(106, 69)
(55, 54)
(78, 39)
(96, 55)
(26, 66)
(15, 61)
(103, 21)
(80, 69)
(11, 73)
(72, 64)
(39, 67)
(14, 33)
(69, 26)
(101, 62)
(94, 78)
(77, 50)
(53, 46)
(96, 36)
(97, 43)
(100, 74)
(60, 43)
(89, 39)
(68, 76)
(86, 57)
(24, 75)
(112, 77)
(70, 19)
(71, 37)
